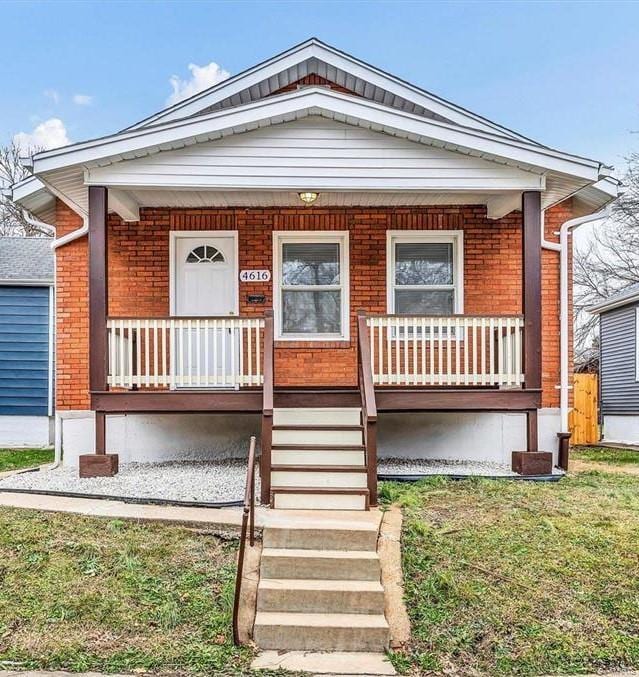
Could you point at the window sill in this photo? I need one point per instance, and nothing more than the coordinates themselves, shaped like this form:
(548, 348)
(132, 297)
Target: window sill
(321, 344)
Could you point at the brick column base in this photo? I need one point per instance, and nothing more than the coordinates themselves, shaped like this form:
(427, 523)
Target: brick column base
(532, 462)
(99, 465)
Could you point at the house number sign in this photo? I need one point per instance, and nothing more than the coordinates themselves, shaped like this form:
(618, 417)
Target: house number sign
(255, 275)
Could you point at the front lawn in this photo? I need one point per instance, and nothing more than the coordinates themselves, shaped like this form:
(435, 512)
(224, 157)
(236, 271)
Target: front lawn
(14, 459)
(81, 594)
(521, 578)
(616, 456)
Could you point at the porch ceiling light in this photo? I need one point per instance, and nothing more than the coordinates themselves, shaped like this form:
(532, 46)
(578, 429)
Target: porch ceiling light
(308, 197)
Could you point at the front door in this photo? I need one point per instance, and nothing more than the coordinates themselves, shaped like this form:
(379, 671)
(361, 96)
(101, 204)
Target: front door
(205, 282)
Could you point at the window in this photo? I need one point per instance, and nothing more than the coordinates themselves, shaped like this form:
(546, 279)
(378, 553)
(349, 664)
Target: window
(425, 272)
(311, 285)
(205, 254)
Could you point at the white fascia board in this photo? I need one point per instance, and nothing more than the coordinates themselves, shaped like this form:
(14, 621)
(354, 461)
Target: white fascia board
(313, 101)
(8, 282)
(26, 188)
(315, 49)
(615, 302)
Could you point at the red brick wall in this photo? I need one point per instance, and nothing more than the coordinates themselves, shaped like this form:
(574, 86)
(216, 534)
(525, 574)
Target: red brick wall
(139, 279)
(72, 315)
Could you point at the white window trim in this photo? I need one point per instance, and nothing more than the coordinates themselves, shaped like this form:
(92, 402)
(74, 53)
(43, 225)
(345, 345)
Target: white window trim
(456, 237)
(636, 344)
(281, 237)
(174, 235)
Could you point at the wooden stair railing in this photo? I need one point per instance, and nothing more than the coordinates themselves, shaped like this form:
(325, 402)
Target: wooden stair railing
(369, 407)
(248, 524)
(267, 409)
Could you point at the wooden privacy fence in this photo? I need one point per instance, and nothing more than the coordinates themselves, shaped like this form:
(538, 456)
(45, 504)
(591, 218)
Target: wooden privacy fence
(584, 424)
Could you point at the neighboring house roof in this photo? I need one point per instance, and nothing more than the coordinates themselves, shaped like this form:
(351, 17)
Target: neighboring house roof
(27, 260)
(623, 298)
(270, 95)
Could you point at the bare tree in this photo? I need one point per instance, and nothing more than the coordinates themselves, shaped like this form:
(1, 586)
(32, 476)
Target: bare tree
(13, 220)
(608, 264)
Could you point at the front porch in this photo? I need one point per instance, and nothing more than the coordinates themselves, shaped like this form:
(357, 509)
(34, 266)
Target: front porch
(374, 362)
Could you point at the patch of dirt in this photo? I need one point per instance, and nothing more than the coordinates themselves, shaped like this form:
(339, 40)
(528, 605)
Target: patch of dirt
(577, 465)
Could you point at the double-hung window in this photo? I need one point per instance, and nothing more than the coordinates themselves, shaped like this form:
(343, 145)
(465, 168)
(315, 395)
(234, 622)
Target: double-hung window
(425, 272)
(311, 285)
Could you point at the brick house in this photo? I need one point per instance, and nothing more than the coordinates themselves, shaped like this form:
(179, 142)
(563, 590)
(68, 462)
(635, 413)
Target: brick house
(320, 251)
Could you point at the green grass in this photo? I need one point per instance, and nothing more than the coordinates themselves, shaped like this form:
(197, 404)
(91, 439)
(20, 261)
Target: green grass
(84, 594)
(605, 455)
(14, 459)
(519, 578)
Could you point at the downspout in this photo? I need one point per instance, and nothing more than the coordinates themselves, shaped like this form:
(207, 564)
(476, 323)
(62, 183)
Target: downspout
(73, 235)
(564, 310)
(36, 223)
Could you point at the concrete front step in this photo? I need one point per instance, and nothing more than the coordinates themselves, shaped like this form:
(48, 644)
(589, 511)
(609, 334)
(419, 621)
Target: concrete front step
(334, 498)
(320, 632)
(317, 416)
(329, 478)
(320, 663)
(321, 456)
(286, 563)
(360, 537)
(307, 435)
(320, 596)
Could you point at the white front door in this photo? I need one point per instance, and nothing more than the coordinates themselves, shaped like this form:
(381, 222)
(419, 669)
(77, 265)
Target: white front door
(205, 285)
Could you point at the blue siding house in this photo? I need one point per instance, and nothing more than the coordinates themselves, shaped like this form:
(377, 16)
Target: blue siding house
(619, 365)
(26, 341)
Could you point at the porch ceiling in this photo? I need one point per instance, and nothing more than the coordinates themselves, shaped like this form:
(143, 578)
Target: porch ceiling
(255, 199)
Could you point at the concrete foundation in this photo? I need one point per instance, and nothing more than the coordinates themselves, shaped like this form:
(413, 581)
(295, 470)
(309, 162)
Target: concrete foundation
(488, 437)
(26, 431)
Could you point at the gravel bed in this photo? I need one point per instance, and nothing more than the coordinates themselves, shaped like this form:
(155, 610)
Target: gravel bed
(417, 466)
(204, 481)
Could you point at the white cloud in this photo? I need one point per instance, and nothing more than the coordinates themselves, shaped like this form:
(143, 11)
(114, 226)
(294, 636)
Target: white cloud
(48, 134)
(82, 99)
(52, 94)
(202, 77)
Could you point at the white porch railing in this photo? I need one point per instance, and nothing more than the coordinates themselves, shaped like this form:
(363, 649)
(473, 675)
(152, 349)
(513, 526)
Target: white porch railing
(199, 352)
(446, 351)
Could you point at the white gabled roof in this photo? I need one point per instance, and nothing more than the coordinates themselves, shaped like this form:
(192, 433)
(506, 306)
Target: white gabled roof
(316, 57)
(373, 100)
(315, 101)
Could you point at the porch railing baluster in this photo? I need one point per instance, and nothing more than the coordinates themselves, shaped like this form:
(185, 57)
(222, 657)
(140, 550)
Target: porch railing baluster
(457, 350)
(176, 352)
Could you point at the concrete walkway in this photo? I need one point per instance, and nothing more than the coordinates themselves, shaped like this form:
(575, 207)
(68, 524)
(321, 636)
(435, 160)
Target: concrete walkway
(93, 507)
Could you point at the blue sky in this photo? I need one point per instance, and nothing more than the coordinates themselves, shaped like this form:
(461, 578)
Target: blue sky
(562, 73)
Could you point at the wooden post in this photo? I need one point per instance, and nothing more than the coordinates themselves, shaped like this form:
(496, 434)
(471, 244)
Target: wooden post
(97, 288)
(267, 409)
(99, 464)
(532, 461)
(531, 288)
